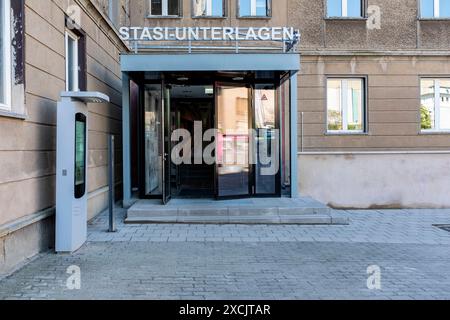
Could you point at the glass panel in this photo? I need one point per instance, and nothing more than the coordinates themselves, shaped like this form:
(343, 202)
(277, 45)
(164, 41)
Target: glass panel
(334, 8)
(354, 8)
(261, 8)
(217, 8)
(80, 155)
(2, 50)
(427, 114)
(334, 105)
(444, 9)
(201, 8)
(427, 8)
(355, 100)
(285, 98)
(233, 140)
(267, 140)
(153, 138)
(445, 104)
(70, 63)
(156, 7)
(173, 7)
(245, 8)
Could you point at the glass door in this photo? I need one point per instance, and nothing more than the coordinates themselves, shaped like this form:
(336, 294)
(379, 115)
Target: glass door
(233, 124)
(266, 141)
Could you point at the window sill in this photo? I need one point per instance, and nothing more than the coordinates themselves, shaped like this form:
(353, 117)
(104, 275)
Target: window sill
(435, 132)
(434, 19)
(254, 18)
(345, 19)
(164, 17)
(346, 133)
(9, 114)
(209, 17)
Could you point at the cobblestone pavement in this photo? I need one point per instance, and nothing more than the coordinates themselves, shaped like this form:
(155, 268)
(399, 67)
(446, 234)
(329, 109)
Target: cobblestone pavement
(251, 262)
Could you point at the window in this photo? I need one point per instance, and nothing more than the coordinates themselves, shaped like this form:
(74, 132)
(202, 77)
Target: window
(254, 8)
(5, 56)
(435, 104)
(114, 11)
(344, 8)
(435, 8)
(346, 105)
(76, 74)
(165, 8)
(72, 66)
(209, 8)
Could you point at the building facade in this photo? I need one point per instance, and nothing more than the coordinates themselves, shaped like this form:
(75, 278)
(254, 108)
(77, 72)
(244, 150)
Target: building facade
(371, 109)
(48, 47)
(361, 103)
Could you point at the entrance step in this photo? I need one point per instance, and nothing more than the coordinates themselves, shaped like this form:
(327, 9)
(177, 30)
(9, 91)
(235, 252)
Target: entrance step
(243, 211)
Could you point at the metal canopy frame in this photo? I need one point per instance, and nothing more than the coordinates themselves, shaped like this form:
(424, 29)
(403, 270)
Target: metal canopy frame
(130, 63)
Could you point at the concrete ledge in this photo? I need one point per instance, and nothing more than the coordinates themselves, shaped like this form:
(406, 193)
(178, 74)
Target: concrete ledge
(23, 222)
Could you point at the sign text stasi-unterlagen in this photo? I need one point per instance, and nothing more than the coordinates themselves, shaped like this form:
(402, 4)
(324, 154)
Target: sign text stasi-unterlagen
(208, 34)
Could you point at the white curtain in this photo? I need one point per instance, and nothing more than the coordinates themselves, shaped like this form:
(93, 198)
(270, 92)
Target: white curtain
(200, 8)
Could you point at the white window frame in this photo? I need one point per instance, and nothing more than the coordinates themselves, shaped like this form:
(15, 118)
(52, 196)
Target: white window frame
(437, 105)
(164, 9)
(344, 8)
(344, 101)
(7, 74)
(75, 66)
(253, 9)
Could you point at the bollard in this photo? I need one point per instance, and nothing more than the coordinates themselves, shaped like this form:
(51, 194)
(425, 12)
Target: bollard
(112, 225)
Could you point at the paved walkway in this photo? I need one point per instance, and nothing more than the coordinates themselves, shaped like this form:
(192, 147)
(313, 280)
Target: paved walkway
(251, 262)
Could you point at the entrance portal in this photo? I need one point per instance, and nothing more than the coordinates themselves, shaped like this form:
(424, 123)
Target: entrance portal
(215, 135)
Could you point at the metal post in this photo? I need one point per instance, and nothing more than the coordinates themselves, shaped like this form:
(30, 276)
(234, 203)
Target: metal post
(303, 131)
(112, 225)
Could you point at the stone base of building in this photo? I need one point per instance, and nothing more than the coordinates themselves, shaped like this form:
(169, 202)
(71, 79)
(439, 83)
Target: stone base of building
(24, 238)
(377, 180)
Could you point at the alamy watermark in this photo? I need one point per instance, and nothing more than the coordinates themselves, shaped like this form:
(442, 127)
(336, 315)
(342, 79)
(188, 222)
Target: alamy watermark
(73, 282)
(228, 148)
(374, 279)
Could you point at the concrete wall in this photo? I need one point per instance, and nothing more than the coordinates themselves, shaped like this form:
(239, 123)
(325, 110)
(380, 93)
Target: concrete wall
(28, 147)
(377, 180)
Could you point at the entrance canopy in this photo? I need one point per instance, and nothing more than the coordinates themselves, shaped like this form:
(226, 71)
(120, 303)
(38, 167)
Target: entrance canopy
(210, 62)
(153, 93)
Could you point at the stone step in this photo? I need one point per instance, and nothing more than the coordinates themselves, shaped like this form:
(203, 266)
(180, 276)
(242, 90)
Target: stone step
(316, 219)
(224, 211)
(244, 211)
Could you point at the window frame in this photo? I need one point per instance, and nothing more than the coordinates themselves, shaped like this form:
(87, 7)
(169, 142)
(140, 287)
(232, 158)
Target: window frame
(365, 129)
(6, 106)
(165, 10)
(437, 103)
(210, 16)
(76, 39)
(436, 11)
(362, 16)
(253, 5)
